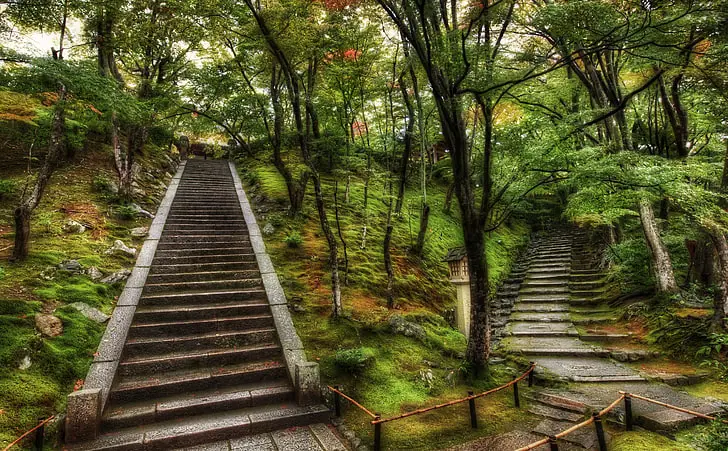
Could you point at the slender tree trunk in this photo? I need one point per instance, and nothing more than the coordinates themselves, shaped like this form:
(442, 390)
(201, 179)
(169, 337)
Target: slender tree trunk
(387, 254)
(661, 262)
(424, 218)
(407, 151)
(29, 202)
(341, 235)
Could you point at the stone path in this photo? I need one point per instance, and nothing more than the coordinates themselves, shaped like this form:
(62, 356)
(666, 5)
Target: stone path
(202, 361)
(559, 287)
(540, 325)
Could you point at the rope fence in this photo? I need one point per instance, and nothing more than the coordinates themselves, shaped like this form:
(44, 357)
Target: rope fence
(39, 430)
(596, 420)
(470, 399)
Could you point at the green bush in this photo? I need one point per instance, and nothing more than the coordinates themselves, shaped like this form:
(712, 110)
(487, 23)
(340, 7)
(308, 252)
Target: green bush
(6, 187)
(126, 212)
(293, 240)
(714, 355)
(102, 184)
(353, 361)
(711, 437)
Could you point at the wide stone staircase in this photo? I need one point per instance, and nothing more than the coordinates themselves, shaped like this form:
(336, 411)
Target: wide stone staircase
(202, 362)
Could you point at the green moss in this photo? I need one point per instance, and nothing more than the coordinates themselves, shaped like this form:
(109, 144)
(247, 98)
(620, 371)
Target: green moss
(78, 289)
(709, 389)
(645, 441)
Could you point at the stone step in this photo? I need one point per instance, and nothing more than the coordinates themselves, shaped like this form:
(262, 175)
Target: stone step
(197, 326)
(203, 259)
(187, 229)
(147, 314)
(195, 403)
(545, 283)
(206, 217)
(540, 317)
(540, 308)
(587, 285)
(212, 357)
(547, 275)
(203, 296)
(203, 221)
(547, 329)
(194, 237)
(529, 289)
(228, 242)
(151, 346)
(244, 267)
(202, 275)
(539, 267)
(546, 411)
(555, 401)
(587, 293)
(208, 427)
(208, 249)
(220, 283)
(540, 298)
(577, 278)
(542, 260)
(585, 301)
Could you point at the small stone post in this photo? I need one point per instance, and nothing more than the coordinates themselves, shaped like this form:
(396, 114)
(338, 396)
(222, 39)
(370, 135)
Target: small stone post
(308, 384)
(83, 415)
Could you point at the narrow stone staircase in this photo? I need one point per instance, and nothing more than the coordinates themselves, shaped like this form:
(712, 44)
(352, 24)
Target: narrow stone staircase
(540, 325)
(202, 362)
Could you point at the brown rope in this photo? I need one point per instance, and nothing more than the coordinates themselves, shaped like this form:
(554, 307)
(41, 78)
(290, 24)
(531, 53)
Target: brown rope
(352, 401)
(457, 401)
(566, 432)
(42, 423)
(679, 409)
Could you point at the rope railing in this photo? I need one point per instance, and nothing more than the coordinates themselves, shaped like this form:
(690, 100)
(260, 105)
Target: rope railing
(596, 419)
(39, 429)
(470, 399)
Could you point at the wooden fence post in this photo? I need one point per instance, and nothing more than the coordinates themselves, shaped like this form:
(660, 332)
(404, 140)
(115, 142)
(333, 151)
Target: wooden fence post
(473, 412)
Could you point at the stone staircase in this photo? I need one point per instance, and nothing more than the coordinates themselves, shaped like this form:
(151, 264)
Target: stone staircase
(202, 362)
(557, 284)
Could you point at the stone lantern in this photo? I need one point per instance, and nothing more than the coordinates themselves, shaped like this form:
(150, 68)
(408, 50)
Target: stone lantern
(457, 261)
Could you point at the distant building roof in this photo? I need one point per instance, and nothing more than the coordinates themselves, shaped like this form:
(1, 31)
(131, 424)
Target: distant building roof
(455, 254)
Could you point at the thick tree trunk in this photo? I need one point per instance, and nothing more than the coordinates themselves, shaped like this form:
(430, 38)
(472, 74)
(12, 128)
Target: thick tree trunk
(661, 262)
(720, 300)
(29, 202)
(448, 198)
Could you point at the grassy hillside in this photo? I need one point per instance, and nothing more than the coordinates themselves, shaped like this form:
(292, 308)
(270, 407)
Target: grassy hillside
(387, 372)
(79, 191)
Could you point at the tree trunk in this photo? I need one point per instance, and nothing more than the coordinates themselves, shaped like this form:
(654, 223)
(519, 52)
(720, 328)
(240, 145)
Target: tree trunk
(30, 201)
(407, 151)
(424, 220)
(448, 198)
(341, 235)
(387, 254)
(720, 300)
(661, 263)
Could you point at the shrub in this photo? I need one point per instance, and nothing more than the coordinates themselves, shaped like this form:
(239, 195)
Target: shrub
(293, 240)
(6, 187)
(101, 184)
(126, 212)
(353, 361)
(711, 437)
(714, 355)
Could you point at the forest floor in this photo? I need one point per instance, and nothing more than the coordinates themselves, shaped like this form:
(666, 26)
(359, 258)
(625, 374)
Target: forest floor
(38, 371)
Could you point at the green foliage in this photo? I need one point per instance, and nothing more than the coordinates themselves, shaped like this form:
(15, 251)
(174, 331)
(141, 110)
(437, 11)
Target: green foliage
(102, 184)
(2, 273)
(6, 187)
(126, 212)
(679, 335)
(354, 361)
(293, 240)
(714, 353)
(710, 437)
